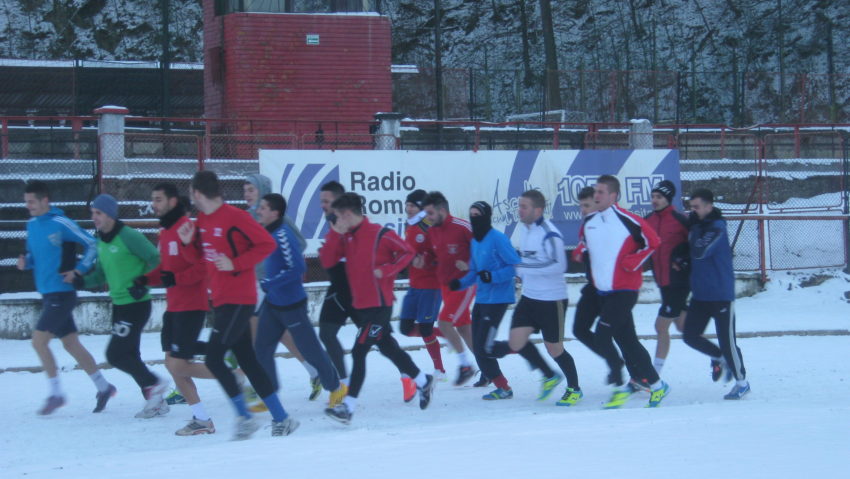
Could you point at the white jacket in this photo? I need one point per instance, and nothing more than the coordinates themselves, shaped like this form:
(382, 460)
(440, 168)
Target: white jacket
(544, 261)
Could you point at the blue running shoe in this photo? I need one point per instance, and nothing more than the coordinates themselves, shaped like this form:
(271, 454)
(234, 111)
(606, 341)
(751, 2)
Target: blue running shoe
(175, 398)
(498, 393)
(738, 392)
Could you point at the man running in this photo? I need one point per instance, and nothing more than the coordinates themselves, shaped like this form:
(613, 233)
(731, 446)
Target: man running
(285, 305)
(713, 284)
(51, 255)
(492, 267)
(256, 187)
(232, 245)
(337, 307)
(619, 242)
(450, 238)
(669, 266)
(543, 305)
(124, 256)
(422, 302)
(186, 305)
(375, 255)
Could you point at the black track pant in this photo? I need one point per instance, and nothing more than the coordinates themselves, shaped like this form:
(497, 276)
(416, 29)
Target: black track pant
(375, 331)
(587, 310)
(231, 330)
(332, 317)
(723, 312)
(128, 321)
(485, 324)
(616, 321)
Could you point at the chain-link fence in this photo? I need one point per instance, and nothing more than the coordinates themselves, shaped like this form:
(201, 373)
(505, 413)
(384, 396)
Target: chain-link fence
(816, 159)
(791, 243)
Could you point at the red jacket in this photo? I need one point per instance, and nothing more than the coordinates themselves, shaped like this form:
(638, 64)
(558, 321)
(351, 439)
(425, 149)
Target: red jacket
(234, 233)
(451, 241)
(417, 237)
(672, 228)
(619, 242)
(190, 292)
(365, 249)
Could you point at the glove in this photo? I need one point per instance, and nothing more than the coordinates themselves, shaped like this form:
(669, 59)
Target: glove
(79, 282)
(454, 284)
(138, 290)
(485, 276)
(167, 278)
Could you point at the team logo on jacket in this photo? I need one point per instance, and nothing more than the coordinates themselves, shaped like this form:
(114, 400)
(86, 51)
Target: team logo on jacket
(172, 248)
(420, 238)
(452, 248)
(113, 249)
(55, 239)
(217, 232)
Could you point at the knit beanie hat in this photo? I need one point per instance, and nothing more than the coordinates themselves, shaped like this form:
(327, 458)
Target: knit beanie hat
(106, 203)
(667, 190)
(417, 197)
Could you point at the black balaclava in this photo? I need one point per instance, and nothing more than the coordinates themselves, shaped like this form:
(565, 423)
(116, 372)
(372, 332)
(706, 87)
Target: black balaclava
(481, 225)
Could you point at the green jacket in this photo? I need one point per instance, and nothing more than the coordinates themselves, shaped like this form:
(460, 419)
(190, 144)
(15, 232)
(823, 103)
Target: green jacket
(123, 254)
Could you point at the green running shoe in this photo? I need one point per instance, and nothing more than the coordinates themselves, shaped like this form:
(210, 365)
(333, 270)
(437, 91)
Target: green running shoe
(547, 385)
(570, 397)
(619, 398)
(315, 388)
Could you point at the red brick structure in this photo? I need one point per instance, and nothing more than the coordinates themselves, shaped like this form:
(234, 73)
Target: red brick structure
(296, 69)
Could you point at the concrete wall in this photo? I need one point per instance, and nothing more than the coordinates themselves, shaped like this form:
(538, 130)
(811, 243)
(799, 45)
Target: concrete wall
(19, 312)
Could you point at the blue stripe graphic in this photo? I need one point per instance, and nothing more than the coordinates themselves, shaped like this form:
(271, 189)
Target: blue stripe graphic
(520, 173)
(313, 214)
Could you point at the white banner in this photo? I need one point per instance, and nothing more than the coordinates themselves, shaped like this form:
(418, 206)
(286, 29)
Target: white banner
(385, 178)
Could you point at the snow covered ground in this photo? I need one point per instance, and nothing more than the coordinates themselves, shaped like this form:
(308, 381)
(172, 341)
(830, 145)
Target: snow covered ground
(790, 425)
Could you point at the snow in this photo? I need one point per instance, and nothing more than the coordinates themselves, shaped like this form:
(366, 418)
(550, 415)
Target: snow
(790, 425)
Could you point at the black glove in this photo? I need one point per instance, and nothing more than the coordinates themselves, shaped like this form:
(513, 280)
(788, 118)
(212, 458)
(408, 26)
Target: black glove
(138, 290)
(454, 284)
(79, 282)
(167, 278)
(485, 276)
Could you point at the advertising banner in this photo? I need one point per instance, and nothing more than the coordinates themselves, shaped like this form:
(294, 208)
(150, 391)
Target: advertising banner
(384, 178)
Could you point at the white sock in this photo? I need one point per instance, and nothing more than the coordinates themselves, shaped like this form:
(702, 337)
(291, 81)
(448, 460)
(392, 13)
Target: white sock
(658, 363)
(351, 402)
(199, 411)
(421, 380)
(463, 358)
(742, 382)
(313, 372)
(99, 381)
(656, 385)
(344, 381)
(55, 387)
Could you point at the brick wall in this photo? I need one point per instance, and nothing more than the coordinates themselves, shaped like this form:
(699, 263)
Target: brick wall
(261, 66)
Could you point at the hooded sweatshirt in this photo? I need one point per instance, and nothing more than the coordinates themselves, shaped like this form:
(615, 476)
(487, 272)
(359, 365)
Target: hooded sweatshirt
(264, 186)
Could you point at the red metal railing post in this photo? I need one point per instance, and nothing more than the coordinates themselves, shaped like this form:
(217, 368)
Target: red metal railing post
(762, 252)
(556, 140)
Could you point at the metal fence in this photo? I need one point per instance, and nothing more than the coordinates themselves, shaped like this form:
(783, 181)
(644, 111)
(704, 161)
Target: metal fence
(676, 97)
(784, 187)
